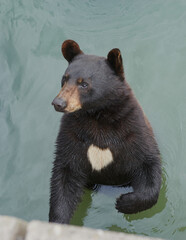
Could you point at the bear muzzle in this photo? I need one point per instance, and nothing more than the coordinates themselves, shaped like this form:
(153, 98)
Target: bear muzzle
(59, 104)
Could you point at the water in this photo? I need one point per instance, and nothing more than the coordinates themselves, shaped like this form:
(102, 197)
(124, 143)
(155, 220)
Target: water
(152, 38)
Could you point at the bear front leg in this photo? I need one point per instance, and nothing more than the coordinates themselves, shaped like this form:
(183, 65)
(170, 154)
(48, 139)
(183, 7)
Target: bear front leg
(66, 191)
(146, 185)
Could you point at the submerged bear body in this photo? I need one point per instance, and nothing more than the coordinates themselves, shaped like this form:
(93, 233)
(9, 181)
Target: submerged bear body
(104, 137)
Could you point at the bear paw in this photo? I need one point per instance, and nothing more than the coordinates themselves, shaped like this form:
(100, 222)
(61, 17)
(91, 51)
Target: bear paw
(125, 203)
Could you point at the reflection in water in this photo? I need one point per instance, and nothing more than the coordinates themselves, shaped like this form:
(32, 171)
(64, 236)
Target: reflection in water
(82, 209)
(99, 208)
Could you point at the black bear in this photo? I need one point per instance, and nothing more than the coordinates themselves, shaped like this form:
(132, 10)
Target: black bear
(104, 137)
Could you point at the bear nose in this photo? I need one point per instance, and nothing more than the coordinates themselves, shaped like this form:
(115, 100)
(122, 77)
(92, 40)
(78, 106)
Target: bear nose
(59, 104)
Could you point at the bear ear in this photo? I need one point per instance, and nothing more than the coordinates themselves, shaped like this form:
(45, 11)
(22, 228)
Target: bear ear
(70, 49)
(115, 61)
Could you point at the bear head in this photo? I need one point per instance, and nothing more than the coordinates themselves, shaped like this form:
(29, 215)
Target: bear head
(90, 82)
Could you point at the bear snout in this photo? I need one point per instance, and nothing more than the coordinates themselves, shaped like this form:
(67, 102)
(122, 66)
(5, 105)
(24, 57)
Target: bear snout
(59, 104)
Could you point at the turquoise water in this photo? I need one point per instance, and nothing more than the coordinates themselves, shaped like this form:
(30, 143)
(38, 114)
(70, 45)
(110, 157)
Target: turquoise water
(152, 38)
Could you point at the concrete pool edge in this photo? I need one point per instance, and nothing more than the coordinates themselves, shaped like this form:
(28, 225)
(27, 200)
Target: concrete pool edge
(12, 228)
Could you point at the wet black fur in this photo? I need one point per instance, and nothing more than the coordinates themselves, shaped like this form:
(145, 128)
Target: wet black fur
(110, 118)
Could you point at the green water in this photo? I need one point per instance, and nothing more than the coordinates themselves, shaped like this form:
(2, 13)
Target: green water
(152, 38)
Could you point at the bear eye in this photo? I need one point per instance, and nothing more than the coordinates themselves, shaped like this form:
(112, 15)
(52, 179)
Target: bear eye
(84, 85)
(64, 79)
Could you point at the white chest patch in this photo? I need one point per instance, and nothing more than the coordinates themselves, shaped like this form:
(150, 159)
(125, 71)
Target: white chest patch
(99, 158)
